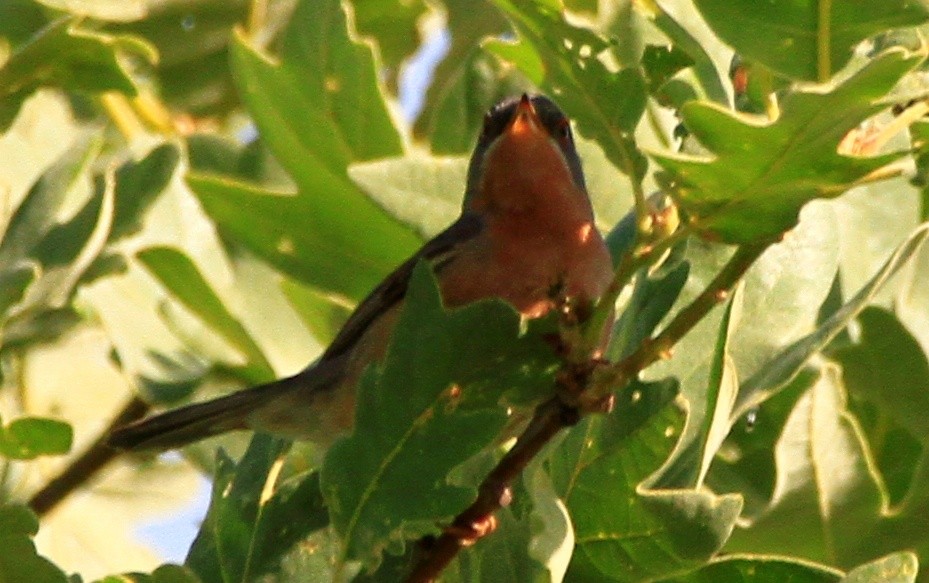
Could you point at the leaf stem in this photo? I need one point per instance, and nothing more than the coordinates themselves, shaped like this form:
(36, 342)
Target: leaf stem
(906, 118)
(824, 41)
(257, 15)
(119, 110)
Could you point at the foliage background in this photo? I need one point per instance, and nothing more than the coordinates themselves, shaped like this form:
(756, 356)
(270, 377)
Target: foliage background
(154, 245)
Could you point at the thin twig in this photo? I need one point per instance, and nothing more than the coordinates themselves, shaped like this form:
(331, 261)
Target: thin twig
(607, 379)
(84, 467)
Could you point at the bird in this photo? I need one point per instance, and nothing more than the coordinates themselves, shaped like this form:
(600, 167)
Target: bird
(526, 228)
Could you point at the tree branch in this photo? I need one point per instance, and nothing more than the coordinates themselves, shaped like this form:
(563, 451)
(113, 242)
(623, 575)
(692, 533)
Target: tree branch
(85, 466)
(494, 492)
(557, 413)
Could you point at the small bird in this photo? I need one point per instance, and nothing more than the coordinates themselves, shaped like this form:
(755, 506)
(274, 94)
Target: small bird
(526, 228)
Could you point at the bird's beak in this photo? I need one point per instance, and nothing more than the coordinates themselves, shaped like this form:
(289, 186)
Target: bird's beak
(525, 121)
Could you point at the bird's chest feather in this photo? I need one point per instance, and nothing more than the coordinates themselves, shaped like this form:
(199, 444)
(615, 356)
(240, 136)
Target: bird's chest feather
(527, 263)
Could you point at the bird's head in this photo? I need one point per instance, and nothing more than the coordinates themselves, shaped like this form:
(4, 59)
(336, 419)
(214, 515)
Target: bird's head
(525, 155)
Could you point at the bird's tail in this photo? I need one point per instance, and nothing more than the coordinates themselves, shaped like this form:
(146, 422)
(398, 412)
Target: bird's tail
(201, 420)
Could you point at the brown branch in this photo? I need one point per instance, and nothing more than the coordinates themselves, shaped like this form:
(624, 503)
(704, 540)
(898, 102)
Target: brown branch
(494, 492)
(85, 466)
(598, 383)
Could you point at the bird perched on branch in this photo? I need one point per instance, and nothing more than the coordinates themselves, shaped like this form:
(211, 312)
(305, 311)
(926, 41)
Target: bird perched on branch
(526, 228)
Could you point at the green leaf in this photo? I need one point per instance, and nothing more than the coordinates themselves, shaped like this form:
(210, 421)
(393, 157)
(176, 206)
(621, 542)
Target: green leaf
(163, 574)
(62, 55)
(895, 568)
(781, 368)
(254, 520)
(564, 60)
(30, 437)
(745, 462)
(778, 305)
(466, 27)
(284, 229)
(321, 315)
(19, 20)
(481, 81)
(887, 377)
(138, 184)
(660, 63)
(887, 366)
(452, 368)
(35, 216)
(686, 34)
(13, 284)
(425, 192)
(796, 39)
(652, 297)
(183, 279)
(318, 109)
(825, 487)
(625, 531)
(758, 569)
(192, 39)
(763, 173)
(422, 192)
(394, 24)
(18, 558)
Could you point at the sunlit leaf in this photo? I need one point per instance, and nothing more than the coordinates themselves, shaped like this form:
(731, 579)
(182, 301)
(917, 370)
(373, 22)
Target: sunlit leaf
(764, 172)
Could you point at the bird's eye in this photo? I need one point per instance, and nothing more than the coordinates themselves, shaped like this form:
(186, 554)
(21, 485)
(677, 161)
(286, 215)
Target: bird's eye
(563, 130)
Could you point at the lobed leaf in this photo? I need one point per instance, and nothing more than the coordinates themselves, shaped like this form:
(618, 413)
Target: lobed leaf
(318, 109)
(434, 403)
(763, 173)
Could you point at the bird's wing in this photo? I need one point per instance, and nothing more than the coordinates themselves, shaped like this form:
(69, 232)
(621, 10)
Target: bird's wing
(438, 251)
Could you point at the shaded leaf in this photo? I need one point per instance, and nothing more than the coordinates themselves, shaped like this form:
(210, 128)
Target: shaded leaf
(452, 369)
(138, 184)
(623, 530)
(163, 574)
(825, 487)
(62, 55)
(13, 284)
(467, 27)
(758, 569)
(18, 558)
(481, 81)
(887, 377)
(781, 368)
(35, 216)
(254, 520)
